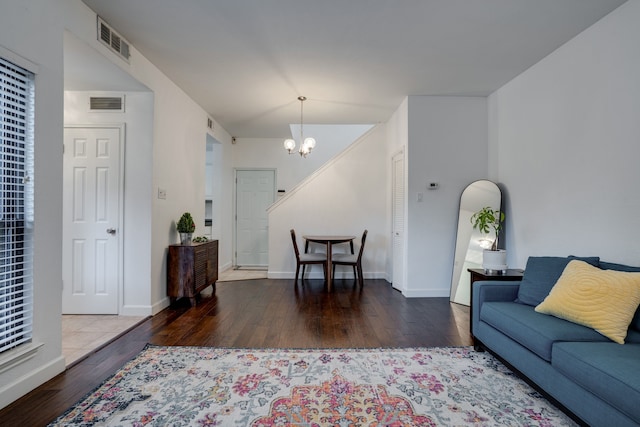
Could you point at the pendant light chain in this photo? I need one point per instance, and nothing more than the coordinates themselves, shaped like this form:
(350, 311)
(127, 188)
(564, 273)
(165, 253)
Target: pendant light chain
(301, 151)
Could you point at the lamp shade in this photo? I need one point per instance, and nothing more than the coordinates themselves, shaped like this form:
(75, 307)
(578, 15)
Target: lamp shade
(289, 144)
(310, 143)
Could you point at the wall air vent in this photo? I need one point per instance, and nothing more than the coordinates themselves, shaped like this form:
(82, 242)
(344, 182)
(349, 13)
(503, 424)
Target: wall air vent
(113, 40)
(106, 103)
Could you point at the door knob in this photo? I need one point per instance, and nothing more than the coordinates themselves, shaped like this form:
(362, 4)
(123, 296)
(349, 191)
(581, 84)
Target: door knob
(111, 231)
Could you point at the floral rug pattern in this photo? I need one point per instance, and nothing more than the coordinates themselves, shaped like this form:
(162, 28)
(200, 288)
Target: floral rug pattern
(204, 386)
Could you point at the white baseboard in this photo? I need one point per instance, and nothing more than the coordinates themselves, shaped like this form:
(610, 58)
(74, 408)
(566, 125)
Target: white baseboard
(136, 310)
(426, 293)
(224, 267)
(318, 275)
(23, 385)
(160, 305)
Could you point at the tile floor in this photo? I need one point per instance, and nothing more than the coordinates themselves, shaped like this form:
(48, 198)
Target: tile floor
(82, 334)
(241, 274)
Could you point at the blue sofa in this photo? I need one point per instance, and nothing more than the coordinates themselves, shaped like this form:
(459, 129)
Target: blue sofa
(591, 376)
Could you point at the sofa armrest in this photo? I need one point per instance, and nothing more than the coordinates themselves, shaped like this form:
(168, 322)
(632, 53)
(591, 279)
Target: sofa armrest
(494, 290)
(490, 290)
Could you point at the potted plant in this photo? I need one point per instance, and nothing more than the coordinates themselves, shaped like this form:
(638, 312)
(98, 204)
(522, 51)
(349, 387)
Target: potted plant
(186, 226)
(488, 220)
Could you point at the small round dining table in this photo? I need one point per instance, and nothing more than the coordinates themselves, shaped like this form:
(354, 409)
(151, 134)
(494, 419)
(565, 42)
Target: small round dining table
(329, 241)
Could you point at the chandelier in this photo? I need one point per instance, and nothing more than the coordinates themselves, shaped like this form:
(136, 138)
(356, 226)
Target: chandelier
(306, 144)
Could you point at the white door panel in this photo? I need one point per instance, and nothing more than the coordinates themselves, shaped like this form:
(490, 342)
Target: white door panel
(398, 221)
(91, 220)
(255, 192)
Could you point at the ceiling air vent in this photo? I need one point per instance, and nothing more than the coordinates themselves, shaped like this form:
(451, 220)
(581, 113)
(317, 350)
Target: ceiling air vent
(113, 40)
(106, 103)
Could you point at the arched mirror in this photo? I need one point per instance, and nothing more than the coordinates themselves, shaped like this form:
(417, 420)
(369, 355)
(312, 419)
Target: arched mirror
(468, 253)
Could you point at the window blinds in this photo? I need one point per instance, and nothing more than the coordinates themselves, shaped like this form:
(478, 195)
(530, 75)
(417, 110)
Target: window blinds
(16, 204)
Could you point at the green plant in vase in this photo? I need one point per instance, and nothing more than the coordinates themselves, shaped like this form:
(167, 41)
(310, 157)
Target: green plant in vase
(488, 220)
(186, 226)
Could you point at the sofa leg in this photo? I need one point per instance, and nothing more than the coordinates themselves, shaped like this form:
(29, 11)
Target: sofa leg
(478, 346)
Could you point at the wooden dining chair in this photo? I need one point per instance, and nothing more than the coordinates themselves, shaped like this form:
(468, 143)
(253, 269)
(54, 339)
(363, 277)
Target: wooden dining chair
(307, 258)
(351, 259)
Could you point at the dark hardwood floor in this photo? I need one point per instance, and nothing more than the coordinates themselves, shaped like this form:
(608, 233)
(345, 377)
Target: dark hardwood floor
(261, 314)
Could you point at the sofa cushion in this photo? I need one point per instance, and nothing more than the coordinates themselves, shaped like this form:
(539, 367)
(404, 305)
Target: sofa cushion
(618, 267)
(607, 370)
(533, 330)
(604, 300)
(541, 273)
(635, 323)
(633, 336)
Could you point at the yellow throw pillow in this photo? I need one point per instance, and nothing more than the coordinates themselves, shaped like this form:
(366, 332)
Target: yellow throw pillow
(604, 300)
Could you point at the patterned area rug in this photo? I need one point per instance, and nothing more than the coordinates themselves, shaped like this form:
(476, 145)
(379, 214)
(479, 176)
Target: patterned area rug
(198, 386)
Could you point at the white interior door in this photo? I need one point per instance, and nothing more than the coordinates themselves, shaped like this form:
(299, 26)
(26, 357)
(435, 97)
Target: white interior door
(398, 220)
(255, 192)
(91, 212)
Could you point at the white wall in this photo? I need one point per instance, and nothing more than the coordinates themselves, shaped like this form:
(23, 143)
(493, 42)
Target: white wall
(224, 177)
(136, 229)
(221, 183)
(568, 139)
(291, 169)
(178, 167)
(177, 157)
(447, 144)
(31, 31)
(337, 200)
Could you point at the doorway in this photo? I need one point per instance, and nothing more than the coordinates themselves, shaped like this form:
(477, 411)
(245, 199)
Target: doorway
(255, 192)
(92, 218)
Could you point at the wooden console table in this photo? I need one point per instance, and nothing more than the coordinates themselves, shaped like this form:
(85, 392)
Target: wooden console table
(190, 269)
(477, 274)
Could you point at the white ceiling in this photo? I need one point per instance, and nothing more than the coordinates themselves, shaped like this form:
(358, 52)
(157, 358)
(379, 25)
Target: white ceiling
(246, 61)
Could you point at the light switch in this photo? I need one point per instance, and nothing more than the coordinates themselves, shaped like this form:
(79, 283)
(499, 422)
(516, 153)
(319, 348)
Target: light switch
(420, 197)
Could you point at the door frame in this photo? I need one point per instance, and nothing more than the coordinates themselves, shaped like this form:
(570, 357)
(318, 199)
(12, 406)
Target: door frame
(121, 128)
(235, 204)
